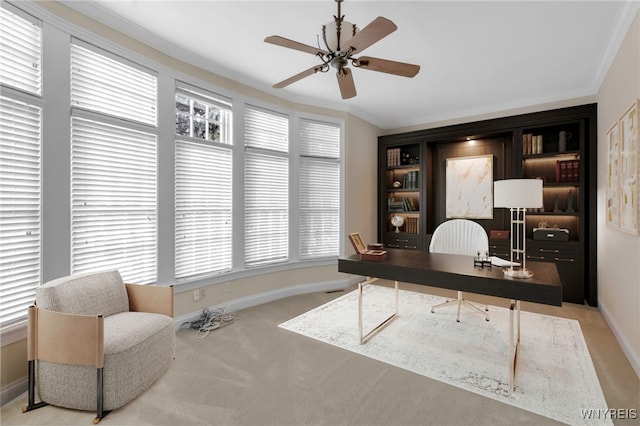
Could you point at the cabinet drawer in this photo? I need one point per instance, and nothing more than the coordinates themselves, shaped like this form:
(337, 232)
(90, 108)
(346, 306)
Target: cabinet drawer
(499, 247)
(552, 252)
(402, 241)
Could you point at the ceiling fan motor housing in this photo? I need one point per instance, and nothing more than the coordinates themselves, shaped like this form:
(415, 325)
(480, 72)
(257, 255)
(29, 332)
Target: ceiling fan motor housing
(330, 34)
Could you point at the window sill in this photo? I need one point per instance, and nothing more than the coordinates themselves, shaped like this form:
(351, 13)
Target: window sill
(200, 281)
(18, 331)
(13, 333)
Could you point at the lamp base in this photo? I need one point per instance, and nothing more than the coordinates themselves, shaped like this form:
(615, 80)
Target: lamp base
(518, 273)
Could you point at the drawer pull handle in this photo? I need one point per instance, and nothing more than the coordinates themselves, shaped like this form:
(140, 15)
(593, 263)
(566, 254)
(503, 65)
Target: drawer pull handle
(564, 260)
(549, 251)
(536, 257)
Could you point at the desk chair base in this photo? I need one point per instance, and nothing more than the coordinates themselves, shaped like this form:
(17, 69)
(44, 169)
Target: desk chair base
(459, 301)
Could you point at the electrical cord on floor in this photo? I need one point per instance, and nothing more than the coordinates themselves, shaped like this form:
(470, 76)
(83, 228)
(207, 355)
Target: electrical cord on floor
(210, 320)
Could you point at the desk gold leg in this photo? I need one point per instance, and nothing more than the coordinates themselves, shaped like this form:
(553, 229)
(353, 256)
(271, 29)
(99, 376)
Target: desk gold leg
(514, 342)
(365, 337)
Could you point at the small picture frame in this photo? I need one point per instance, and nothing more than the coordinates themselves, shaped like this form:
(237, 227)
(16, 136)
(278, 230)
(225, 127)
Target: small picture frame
(356, 241)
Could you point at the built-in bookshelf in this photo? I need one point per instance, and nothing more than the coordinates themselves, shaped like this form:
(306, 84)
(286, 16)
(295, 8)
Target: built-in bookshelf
(556, 146)
(402, 195)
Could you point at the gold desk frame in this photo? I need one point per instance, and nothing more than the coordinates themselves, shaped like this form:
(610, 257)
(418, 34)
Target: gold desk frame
(514, 343)
(514, 327)
(369, 334)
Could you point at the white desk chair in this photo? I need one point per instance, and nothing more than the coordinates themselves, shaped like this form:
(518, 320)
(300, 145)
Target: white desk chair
(460, 236)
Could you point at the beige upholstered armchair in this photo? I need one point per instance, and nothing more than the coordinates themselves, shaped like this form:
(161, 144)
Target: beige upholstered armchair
(95, 343)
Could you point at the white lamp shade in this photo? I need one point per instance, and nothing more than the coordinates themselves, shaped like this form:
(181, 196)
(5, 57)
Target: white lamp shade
(518, 193)
(347, 30)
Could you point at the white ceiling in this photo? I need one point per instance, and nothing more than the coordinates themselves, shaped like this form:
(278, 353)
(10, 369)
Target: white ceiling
(476, 57)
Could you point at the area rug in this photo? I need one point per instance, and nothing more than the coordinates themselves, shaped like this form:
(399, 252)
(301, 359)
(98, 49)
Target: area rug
(555, 376)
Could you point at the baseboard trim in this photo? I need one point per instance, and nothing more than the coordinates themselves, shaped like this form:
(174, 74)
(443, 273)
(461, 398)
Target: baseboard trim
(627, 348)
(13, 390)
(270, 296)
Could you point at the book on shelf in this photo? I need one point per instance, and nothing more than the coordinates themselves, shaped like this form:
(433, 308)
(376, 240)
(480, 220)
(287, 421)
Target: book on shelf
(411, 179)
(396, 157)
(393, 157)
(568, 171)
(406, 204)
(527, 141)
(411, 225)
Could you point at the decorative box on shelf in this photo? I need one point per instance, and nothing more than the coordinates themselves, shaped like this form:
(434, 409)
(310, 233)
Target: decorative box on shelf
(371, 252)
(499, 233)
(550, 234)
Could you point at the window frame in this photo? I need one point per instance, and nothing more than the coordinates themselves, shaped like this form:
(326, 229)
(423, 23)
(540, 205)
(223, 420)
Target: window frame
(13, 329)
(225, 144)
(124, 121)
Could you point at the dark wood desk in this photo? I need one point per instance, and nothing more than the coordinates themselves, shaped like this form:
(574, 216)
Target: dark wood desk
(457, 272)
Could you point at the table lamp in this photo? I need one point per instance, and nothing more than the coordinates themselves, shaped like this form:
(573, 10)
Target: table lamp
(518, 195)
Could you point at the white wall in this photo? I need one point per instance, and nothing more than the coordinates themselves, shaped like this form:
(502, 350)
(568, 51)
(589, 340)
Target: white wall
(619, 253)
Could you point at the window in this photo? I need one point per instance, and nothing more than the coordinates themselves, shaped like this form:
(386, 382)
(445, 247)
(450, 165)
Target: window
(319, 184)
(108, 86)
(20, 165)
(266, 187)
(20, 52)
(202, 116)
(203, 191)
(113, 166)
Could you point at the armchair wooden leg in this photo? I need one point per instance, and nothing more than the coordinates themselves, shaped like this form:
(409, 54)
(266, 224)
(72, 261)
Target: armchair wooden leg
(101, 413)
(31, 404)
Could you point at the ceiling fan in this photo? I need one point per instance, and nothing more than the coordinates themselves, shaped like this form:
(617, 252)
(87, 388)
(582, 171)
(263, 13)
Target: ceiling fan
(343, 40)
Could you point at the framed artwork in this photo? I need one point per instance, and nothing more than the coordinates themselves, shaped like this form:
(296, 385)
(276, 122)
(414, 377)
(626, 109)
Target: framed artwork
(469, 187)
(613, 177)
(629, 170)
(623, 206)
(356, 241)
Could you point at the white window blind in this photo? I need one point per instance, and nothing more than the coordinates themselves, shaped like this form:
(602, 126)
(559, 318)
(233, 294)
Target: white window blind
(20, 52)
(266, 130)
(266, 187)
(20, 218)
(113, 165)
(108, 86)
(113, 200)
(319, 185)
(203, 209)
(20, 164)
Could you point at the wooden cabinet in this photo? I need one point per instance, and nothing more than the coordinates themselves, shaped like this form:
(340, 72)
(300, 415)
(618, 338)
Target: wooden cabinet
(565, 161)
(401, 200)
(499, 247)
(566, 256)
(557, 146)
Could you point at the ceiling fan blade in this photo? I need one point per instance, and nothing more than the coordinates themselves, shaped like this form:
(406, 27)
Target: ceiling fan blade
(390, 67)
(372, 33)
(299, 76)
(346, 84)
(285, 42)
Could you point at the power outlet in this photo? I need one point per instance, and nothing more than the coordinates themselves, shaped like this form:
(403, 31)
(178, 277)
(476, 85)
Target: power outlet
(196, 295)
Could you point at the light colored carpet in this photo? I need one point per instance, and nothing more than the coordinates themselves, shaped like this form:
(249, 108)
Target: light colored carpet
(555, 376)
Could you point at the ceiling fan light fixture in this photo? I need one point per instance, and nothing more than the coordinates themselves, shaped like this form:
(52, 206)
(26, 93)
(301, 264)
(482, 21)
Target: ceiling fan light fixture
(343, 40)
(330, 35)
